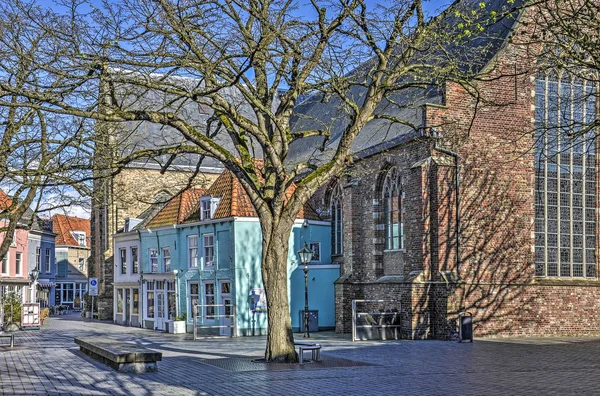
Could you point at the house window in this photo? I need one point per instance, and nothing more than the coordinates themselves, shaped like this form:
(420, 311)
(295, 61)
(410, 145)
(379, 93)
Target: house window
(68, 292)
(209, 249)
(335, 208)
(193, 251)
(150, 300)
(565, 178)
(136, 302)
(123, 255)
(205, 209)
(134, 260)
(119, 300)
(18, 264)
(171, 300)
(79, 237)
(5, 264)
(316, 249)
(154, 260)
(47, 263)
(209, 300)
(193, 299)
(167, 259)
(37, 257)
(81, 264)
(392, 211)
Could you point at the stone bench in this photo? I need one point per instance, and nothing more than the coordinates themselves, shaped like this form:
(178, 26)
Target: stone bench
(308, 346)
(11, 336)
(121, 356)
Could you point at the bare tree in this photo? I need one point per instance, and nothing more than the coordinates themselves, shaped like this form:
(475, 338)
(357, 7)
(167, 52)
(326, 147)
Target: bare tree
(260, 68)
(45, 157)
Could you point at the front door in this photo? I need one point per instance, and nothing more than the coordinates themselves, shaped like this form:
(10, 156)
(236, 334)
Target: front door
(226, 314)
(127, 307)
(160, 310)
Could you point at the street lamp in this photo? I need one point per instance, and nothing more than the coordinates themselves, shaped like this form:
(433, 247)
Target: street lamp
(305, 256)
(34, 277)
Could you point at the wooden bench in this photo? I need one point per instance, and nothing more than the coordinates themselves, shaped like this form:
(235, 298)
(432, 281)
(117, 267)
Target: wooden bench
(121, 356)
(11, 336)
(308, 346)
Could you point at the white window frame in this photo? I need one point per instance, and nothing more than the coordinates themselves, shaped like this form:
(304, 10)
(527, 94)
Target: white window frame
(135, 259)
(81, 264)
(38, 258)
(80, 237)
(123, 259)
(47, 263)
(166, 252)
(191, 259)
(120, 293)
(190, 299)
(6, 259)
(205, 314)
(208, 260)
(205, 208)
(19, 263)
(150, 289)
(153, 260)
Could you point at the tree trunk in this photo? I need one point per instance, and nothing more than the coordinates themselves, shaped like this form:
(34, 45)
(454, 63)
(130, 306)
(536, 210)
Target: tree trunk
(280, 340)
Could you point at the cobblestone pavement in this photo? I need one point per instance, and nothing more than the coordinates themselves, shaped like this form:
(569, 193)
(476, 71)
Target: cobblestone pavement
(48, 362)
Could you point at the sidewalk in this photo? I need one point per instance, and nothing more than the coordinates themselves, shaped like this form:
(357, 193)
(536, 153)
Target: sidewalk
(48, 362)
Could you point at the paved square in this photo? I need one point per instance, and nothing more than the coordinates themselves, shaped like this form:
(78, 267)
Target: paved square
(48, 362)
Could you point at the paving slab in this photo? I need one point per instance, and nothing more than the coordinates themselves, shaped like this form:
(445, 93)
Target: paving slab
(48, 362)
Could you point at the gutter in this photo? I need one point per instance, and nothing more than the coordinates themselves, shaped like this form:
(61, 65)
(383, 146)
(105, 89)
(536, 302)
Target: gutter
(457, 186)
(141, 315)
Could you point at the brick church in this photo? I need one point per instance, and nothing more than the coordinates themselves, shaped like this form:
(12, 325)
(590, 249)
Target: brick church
(512, 241)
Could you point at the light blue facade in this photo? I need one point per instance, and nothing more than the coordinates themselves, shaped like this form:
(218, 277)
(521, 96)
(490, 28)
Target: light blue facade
(235, 271)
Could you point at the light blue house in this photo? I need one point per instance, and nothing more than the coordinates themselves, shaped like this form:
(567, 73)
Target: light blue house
(201, 255)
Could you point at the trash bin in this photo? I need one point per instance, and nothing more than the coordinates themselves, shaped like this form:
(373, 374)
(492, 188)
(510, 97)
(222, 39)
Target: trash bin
(313, 321)
(465, 327)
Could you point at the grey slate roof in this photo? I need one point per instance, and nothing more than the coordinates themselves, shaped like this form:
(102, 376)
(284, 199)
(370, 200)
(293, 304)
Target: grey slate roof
(380, 134)
(134, 136)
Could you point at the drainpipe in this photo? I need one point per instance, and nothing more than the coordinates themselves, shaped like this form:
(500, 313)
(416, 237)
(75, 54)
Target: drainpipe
(141, 291)
(457, 186)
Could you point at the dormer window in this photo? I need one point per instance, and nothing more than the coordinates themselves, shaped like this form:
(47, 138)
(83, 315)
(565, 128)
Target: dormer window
(79, 237)
(205, 212)
(208, 207)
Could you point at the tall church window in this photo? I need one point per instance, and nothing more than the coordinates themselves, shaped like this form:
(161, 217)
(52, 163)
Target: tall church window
(565, 179)
(392, 210)
(335, 207)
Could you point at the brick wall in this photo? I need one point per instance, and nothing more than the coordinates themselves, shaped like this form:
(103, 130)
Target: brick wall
(495, 281)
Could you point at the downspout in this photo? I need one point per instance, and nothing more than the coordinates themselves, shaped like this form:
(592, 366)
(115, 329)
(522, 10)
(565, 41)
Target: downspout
(457, 186)
(141, 296)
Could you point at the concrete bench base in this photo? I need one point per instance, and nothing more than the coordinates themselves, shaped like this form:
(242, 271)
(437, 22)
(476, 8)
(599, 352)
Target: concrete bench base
(308, 346)
(12, 338)
(121, 356)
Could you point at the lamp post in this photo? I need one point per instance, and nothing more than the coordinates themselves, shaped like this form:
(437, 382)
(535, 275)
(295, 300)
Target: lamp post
(34, 277)
(305, 256)
(175, 272)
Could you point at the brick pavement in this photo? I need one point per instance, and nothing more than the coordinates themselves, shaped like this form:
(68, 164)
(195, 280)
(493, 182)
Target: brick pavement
(48, 362)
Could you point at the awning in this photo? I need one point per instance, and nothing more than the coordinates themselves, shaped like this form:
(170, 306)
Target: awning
(46, 283)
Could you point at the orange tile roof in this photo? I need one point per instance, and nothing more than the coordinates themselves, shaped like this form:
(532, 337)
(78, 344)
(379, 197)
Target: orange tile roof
(5, 200)
(62, 226)
(235, 202)
(178, 208)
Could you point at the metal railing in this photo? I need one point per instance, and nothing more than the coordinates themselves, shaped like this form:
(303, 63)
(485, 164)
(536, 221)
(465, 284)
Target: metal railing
(214, 319)
(385, 322)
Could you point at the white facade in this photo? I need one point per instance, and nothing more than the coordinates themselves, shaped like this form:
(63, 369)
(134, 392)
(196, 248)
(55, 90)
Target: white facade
(127, 279)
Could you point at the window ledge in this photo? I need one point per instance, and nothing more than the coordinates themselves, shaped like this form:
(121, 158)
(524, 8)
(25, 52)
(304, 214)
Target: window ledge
(394, 250)
(557, 281)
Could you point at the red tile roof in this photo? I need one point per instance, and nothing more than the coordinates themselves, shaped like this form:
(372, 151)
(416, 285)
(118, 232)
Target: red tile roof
(177, 209)
(63, 225)
(235, 202)
(5, 200)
